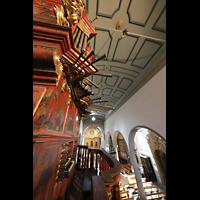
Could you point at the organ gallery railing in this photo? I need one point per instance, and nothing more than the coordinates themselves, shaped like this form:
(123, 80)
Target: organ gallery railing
(106, 167)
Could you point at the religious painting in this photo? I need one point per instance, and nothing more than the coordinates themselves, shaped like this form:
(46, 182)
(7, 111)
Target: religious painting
(55, 118)
(71, 123)
(70, 126)
(42, 108)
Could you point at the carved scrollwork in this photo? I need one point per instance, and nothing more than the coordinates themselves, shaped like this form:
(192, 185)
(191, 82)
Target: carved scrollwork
(58, 65)
(59, 70)
(68, 13)
(60, 16)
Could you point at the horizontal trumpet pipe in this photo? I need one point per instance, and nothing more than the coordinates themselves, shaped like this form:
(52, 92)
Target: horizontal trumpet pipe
(91, 53)
(96, 99)
(84, 83)
(82, 52)
(103, 56)
(100, 101)
(92, 83)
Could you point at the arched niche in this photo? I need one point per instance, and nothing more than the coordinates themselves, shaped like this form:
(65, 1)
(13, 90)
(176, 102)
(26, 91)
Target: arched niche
(109, 143)
(116, 136)
(122, 149)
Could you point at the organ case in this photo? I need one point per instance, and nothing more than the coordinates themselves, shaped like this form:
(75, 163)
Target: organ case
(58, 40)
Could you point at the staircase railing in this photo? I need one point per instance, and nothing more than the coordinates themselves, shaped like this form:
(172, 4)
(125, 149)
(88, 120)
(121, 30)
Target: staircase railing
(105, 165)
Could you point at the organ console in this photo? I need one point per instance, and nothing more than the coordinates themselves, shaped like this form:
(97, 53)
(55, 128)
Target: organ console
(65, 166)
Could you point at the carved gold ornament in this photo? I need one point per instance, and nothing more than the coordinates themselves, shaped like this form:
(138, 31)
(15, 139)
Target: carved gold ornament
(68, 13)
(58, 65)
(60, 16)
(59, 71)
(119, 25)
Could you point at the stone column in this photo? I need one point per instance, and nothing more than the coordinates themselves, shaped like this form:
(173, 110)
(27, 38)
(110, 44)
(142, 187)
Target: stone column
(107, 148)
(137, 176)
(116, 150)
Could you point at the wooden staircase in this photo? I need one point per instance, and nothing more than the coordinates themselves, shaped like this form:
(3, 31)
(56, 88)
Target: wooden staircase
(87, 182)
(96, 171)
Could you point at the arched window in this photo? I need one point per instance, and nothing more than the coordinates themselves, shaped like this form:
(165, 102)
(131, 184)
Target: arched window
(95, 144)
(91, 144)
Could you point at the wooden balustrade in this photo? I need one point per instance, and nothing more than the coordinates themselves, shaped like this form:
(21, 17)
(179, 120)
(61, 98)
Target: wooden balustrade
(98, 159)
(105, 166)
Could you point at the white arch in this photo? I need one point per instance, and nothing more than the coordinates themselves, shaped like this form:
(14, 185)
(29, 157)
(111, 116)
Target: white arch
(95, 126)
(107, 137)
(133, 158)
(115, 138)
(134, 162)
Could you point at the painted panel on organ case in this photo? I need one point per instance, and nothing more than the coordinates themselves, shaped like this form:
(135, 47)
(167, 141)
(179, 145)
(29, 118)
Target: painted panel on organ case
(42, 108)
(57, 112)
(44, 168)
(38, 93)
(71, 122)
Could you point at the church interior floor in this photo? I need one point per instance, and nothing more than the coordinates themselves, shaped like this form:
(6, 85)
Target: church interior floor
(161, 187)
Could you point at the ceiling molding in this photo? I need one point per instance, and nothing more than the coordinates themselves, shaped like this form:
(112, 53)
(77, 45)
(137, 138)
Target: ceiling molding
(143, 10)
(104, 14)
(113, 80)
(144, 50)
(121, 45)
(127, 85)
(121, 70)
(157, 21)
(152, 72)
(95, 40)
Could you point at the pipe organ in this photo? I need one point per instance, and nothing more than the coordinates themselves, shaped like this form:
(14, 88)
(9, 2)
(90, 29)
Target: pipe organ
(62, 63)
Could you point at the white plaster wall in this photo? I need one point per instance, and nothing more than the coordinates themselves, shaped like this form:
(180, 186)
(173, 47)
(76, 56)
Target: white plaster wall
(147, 107)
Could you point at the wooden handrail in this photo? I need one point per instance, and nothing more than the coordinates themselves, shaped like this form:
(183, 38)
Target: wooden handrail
(107, 167)
(114, 165)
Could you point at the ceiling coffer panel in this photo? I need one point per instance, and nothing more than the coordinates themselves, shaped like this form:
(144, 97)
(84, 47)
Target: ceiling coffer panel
(139, 11)
(124, 48)
(108, 9)
(146, 52)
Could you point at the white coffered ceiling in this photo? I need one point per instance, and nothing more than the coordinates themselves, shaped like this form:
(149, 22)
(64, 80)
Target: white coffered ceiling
(131, 57)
